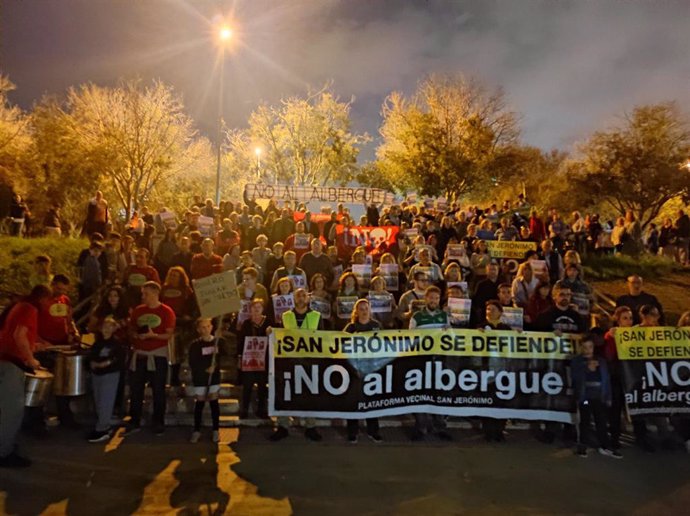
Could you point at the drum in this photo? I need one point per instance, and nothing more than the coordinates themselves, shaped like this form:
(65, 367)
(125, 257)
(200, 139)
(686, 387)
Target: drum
(37, 388)
(70, 376)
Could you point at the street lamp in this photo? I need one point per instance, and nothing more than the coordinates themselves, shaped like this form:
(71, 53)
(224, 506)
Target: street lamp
(223, 36)
(257, 151)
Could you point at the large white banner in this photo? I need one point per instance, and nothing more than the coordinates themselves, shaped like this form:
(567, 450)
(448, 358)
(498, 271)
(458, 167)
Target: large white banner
(337, 194)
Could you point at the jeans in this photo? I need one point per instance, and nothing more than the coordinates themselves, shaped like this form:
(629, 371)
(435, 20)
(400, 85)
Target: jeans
(594, 409)
(137, 383)
(11, 406)
(104, 393)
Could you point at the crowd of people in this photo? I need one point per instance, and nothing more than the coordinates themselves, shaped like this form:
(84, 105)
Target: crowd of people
(295, 269)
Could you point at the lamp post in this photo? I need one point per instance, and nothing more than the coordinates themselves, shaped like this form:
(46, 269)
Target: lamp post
(257, 151)
(224, 36)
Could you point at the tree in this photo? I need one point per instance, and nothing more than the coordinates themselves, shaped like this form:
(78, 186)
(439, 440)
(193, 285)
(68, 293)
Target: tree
(141, 136)
(14, 138)
(446, 138)
(640, 165)
(304, 141)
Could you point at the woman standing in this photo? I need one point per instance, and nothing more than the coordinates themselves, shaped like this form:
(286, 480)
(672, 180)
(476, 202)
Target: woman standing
(252, 358)
(362, 321)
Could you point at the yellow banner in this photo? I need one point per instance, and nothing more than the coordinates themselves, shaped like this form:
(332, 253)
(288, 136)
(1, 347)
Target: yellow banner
(398, 343)
(509, 249)
(655, 342)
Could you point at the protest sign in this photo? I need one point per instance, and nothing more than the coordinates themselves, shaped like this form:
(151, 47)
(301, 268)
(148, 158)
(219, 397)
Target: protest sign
(460, 284)
(513, 317)
(411, 198)
(363, 274)
(168, 219)
(369, 237)
(344, 306)
(298, 280)
(390, 274)
(321, 305)
(539, 267)
(244, 312)
(380, 303)
(582, 302)
(456, 251)
(469, 373)
(509, 249)
(411, 233)
(281, 304)
(301, 241)
(206, 226)
(655, 362)
(217, 294)
(309, 193)
(459, 311)
(417, 304)
(254, 354)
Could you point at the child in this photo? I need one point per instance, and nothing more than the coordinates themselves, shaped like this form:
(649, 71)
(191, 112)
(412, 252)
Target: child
(107, 359)
(592, 388)
(203, 362)
(252, 359)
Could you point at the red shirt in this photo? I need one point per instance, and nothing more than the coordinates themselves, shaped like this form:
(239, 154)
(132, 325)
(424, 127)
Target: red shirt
(159, 319)
(53, 323)
(21, 314)
(137, 276)
(203, 267)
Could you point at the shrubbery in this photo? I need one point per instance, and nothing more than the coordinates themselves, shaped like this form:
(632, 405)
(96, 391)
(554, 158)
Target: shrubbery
(608, 267)
(17, 256)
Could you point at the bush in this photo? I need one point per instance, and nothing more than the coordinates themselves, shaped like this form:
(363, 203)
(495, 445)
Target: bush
(609, 267)
(18, 254)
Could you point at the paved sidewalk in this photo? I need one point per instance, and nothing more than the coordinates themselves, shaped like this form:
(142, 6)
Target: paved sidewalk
(247, 475)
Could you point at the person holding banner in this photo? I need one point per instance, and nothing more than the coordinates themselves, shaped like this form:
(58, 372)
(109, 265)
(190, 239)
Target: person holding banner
(252, 359)
(362, 321)
(592, 388)
(304, 318)
(431, 316)
(385, 306)
(205, 368)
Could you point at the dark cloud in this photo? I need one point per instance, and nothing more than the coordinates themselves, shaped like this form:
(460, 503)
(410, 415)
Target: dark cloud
(567, 67)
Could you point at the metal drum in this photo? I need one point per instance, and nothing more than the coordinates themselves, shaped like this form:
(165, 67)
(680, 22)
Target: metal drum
(37, 388)
(70, 376)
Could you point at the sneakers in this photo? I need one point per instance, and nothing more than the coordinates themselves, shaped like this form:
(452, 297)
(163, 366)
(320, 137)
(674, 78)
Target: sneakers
(581, 452)
(375, 438)
(352, 439)
(614, 454)
(312, 434)
(98, 437)
(14, 461)
(195, 437)
(215, 437)
(278, 434)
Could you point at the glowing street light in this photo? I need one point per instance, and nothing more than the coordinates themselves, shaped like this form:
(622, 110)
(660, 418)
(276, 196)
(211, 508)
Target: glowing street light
(225, 33)
(223, 36)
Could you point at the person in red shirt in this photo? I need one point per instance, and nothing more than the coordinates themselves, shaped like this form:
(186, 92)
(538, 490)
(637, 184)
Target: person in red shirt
(206, 262)
(152, 324)
(55, 327)
(177, 294)
(18, 341)
(138, 274)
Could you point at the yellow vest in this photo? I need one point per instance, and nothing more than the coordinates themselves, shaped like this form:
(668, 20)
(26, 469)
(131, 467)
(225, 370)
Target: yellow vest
(311, 321)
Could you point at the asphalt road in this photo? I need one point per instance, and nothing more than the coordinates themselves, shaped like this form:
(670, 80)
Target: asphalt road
(247, 475)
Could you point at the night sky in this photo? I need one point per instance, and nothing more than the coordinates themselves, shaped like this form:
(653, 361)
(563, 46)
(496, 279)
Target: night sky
(567, 67)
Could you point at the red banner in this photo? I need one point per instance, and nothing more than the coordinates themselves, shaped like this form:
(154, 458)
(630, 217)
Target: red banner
(375, 239)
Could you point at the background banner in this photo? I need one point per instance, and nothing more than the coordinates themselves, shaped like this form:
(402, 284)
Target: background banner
(308, 193)
(502, 374)
(655, 363)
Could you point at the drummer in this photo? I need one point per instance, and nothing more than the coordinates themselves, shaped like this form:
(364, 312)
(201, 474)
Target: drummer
(18, 341)
(56, 327)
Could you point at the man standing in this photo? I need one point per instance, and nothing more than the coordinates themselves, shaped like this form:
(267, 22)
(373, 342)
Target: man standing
(431, 316)
(316, 262)
(431, 269)
(137, 275)
(486, 290)
(96, 215)
(636, 298)
(152, 324)
(296, 275)
(683, 232)
(299, 317)
(207, 262)
(554, 262)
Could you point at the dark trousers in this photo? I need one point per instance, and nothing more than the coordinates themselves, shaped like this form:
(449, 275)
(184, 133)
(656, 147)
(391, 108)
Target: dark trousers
(372, 426)
(594, 409)
(616, 410)
(249, 379)
(137, 383)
